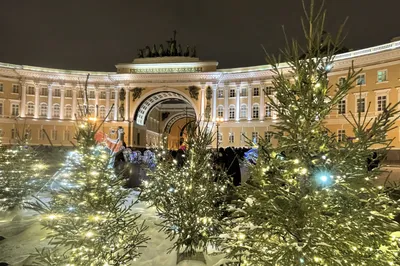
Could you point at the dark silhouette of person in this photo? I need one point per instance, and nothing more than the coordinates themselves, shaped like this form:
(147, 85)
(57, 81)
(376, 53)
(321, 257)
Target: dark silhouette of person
(232, 166)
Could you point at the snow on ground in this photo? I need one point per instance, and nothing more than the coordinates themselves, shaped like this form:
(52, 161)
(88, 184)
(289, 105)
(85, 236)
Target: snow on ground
(22, 237)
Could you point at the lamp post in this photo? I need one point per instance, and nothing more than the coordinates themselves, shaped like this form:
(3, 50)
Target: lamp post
(218, 121)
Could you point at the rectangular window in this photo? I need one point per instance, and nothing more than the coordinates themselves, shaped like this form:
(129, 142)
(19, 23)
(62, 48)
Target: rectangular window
(1, 87)
(54, 134)
(231, 137)
(66, 135)
(361, 79)
(57, 93)
(68, 93)
(381, 103)
(113, 95)
(1, 108)
(254, 137)
(43, 91)
(269, 91)
(80, 94)
(41, 134)
(360, 105)
(220, 93)
(342, 80)
(28, 134)
(13, 133)
(15, 88)
(91, 95)
(268, 136)
(232, 92)
(231, 112)
(243, 92)
(31, 90)
(243, 137)
(102, 95)
(341, 135)
(382, 75)
(268, 110)
(15, 109)
(256, 92)
(219, 138)
(342, 107)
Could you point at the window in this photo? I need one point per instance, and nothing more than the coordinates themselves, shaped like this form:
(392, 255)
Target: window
(31, 90)
(56, 110)
(254, 137)
(54, 134)
(66, 135)
(80, 94)
(243, 137)
(231, 112)
(342, 80)
(43, 91)
(1, 108)
(256, 110)
(92, 109)
(243, 111)
(219, 137)
(113, 95)
(28, 134)
(243, 92)
(256, 92)
(341, 135)
(15, 109)
(268, 136)
(102, 112)
(102, 95)
(268, 110)
(382, 75)
(43, 109)
(231, 137)
(220, 111)
(15, 88)
(68, 111)
(342, 107)
(232, 92)
(13, 133)
(220, 93)
(269, 90)
(57, 93)
(41, 134)
(1, 87)
(361, 79)
(91, 95)
(381, 106)
(31, 109)
(68, 93)
(360, 105)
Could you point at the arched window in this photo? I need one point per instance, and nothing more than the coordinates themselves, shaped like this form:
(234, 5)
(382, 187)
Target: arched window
(43, 109)
(232, 112)
(243, 111)
(56, 110)
(256, 110)
(268, 110)
(220, 112)
(68, 111)
(102, 112)
(31, 108)
(91, 110)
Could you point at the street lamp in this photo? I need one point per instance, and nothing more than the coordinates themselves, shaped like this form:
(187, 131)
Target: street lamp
(218, 120)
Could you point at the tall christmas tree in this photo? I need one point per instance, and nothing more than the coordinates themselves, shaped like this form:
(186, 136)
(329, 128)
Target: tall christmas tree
(89, 219)
(188, 194)
(312, 200)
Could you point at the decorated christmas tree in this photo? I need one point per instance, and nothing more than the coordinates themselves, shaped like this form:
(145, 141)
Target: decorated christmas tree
(188, 194)
(313, 199)
(89, 218)
(21, 173)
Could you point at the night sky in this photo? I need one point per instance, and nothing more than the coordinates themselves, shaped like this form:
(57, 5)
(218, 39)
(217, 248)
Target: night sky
(96, 35)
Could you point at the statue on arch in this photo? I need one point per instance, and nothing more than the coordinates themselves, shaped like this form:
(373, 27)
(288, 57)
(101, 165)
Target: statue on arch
(140, 53)
(122, 94)
(161, 51)
(147, 52)
(154, 52)
(193, 52)
(179, 50)
(187, 52)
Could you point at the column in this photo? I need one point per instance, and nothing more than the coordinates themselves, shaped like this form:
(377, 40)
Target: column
(62, 102)
(37, 103)
(127, 104)
(262, 103)
(108, 103)
(96, 101)
(116, 104)
(202, 101)
(23, 99)
(214, 100)
(74, 91)
(237, 114)
(49, 101)
(250, 108)
(226, 106)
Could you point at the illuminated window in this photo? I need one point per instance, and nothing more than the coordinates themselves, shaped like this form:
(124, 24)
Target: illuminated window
(382, 75)
(220, 112)
(243, 92)
(31, 109)
(268, 110)
(102, 112)
(361, 79)
(92, 110)
(220, 93)
(254, 137)
(243, 111)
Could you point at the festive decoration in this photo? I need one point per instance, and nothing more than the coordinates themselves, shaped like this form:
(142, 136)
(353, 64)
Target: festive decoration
(311, 200)
(89, 217)
(188, 193)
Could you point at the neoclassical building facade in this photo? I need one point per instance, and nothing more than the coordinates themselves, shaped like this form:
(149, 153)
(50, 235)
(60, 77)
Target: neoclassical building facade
(154, 95)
